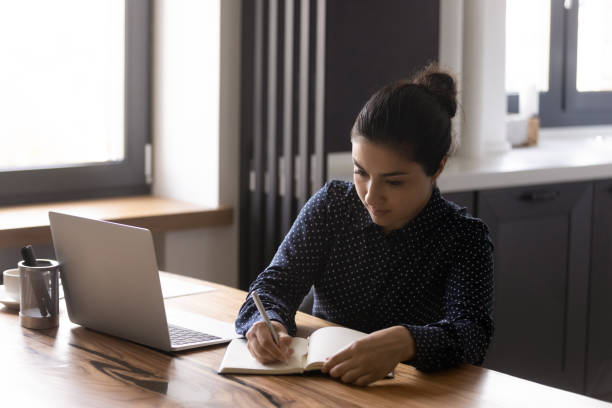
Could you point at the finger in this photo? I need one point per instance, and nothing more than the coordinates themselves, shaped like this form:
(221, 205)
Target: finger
(252, 332)
(264, 338)
(336, 359)
(258, 351)
(266, 353)
(249, 335)
(260, 354)
(365, 380)
(279, 327)
(352, 374)
(340, 369)
(285, 341)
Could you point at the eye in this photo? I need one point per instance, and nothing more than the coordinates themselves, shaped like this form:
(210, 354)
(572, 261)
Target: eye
(360, 172)
(395, 183)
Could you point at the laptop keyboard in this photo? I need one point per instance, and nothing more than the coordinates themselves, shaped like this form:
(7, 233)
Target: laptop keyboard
(180, 336)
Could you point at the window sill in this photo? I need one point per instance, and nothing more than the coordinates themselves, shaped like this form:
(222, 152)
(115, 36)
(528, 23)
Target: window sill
(25, 224)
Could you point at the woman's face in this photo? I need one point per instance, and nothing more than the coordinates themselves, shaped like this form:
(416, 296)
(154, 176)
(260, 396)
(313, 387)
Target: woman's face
(392, 188)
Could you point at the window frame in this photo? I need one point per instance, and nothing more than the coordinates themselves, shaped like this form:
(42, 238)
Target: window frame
(563, 105)
(126, 177)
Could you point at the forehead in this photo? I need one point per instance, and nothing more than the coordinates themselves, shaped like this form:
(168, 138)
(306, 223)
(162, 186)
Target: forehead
(379, 158)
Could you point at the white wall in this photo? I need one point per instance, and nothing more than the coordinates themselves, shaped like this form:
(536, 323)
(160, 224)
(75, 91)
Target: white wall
(196, 128)
(450, 52)
(186, 86)
(472, 44)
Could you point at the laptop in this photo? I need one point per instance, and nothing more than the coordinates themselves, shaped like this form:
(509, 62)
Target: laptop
(111, 284)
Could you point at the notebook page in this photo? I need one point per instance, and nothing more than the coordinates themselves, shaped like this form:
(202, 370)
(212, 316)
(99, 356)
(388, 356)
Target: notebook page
(238, 359)
(326, 342)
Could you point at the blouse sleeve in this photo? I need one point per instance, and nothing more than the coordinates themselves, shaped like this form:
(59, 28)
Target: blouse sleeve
(463, 335)
(284, 283)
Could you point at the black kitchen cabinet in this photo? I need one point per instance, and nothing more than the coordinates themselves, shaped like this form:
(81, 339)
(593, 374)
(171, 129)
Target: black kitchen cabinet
(599, 349)
(542, 240)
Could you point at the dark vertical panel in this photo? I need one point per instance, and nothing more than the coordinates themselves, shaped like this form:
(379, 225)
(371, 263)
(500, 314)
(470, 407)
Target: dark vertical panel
(312, 43)
(257, 214)
(280, 122)
(288, 134)
(578, 289)
(296, 102)
(320, 162)
(369, 44)
(246, 141)
(304, 148)
(271, 230)
(599, 349)
(552, 102)
(570, 53)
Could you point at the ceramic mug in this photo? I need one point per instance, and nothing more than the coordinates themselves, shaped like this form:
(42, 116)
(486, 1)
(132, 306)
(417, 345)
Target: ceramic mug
(11, 283)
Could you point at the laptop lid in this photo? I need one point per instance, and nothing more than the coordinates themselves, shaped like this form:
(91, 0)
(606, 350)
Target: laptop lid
(110, 278)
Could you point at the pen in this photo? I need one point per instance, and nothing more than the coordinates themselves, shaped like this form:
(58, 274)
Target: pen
(42, 297)
(262, 312)
(27, 253)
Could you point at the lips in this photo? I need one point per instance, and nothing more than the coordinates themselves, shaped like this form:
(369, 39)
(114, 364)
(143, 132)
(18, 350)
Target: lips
(378, 212)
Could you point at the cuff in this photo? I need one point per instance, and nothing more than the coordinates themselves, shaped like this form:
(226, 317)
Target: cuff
(430, 350)
(255, 317)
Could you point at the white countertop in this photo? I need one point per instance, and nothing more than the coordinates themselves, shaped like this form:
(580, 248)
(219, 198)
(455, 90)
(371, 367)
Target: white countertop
(562, 155)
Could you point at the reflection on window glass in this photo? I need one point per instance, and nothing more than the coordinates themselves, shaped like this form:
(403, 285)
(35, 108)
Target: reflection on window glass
(594, 65)
(527, 44)
(61, 82)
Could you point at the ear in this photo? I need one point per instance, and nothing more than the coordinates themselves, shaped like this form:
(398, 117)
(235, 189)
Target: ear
(442, 164)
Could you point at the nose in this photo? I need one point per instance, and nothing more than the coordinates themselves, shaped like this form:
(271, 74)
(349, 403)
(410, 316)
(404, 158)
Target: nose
(374, 196)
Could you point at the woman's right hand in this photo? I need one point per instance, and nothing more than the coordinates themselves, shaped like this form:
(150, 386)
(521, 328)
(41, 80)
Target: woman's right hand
(262, 346)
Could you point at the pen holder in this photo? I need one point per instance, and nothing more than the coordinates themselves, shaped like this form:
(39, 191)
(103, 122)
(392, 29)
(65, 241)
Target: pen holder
(39, 294)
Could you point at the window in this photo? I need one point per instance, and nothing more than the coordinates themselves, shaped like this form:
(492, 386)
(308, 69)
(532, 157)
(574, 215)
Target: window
(527, 39)
(75, 83)
(563, 48)
(594, 46)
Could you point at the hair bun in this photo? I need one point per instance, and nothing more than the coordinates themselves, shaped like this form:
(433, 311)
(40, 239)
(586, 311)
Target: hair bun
(439, 83)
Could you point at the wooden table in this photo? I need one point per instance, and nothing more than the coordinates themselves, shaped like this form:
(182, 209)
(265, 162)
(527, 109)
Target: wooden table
(71, 366)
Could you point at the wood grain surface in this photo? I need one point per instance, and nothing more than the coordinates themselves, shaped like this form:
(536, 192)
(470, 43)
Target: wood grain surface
(71, 366)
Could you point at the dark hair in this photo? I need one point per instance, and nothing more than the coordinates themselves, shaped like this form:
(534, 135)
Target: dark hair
(414, 116)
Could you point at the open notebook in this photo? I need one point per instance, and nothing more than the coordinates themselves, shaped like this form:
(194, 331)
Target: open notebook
(308, 354)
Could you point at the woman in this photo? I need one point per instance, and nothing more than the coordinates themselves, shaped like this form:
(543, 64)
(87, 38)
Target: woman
(387, 254)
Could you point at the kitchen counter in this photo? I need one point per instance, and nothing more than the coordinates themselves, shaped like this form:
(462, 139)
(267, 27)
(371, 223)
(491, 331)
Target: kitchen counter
(562, 155)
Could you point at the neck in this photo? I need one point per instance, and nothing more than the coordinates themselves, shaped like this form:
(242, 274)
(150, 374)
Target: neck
(388, 230)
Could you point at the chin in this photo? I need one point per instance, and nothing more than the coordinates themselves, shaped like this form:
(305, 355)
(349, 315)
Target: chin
(381, 221)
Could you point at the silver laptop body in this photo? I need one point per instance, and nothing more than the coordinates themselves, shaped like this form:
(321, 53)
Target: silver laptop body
(111, 284)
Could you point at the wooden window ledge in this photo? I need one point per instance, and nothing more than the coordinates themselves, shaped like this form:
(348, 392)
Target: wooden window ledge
(24, 224)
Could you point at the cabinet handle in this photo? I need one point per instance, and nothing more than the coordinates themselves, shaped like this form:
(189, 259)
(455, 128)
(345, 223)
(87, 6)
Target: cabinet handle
(540, 196)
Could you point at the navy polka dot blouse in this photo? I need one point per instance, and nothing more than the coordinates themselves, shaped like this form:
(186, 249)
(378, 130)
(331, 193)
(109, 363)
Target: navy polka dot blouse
(434, 276)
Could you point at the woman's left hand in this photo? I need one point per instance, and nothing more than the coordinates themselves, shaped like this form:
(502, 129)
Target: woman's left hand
(371, 358)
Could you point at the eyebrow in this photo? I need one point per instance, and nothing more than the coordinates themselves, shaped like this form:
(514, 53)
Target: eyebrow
(393, 173)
